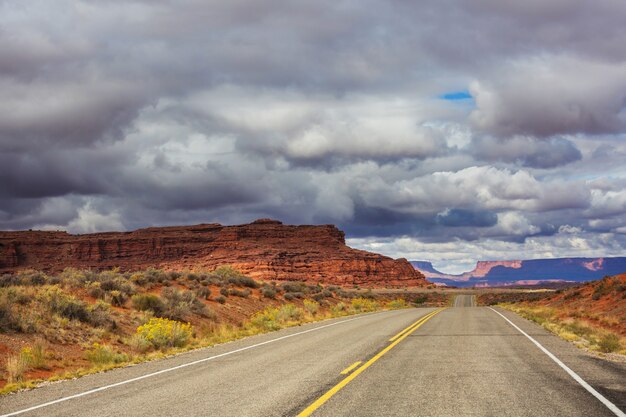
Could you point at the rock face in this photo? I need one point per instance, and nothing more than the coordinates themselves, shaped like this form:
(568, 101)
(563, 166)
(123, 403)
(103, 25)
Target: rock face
(265, 249)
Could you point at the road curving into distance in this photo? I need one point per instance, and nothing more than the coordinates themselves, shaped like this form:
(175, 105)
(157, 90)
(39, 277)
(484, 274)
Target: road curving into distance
(463, 361)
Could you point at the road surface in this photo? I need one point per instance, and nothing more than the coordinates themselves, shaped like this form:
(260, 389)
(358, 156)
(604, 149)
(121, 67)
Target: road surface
(460, 361)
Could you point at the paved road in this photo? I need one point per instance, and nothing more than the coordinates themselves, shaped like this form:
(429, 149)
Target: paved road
(465, 300)
(459, 362)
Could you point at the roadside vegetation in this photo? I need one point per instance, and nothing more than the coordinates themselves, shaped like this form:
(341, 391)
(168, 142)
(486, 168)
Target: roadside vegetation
(591, 315)
(79, 322)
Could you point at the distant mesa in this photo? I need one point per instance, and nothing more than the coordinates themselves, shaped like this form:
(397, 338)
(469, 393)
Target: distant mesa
(265, 249)
(526, 272)
(266, 221)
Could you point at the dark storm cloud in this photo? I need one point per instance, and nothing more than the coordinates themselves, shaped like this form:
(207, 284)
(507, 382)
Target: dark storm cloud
(136, 113)
(526, 151)
(460, 217)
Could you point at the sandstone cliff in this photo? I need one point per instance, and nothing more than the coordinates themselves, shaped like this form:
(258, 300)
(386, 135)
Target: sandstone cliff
(265, 249)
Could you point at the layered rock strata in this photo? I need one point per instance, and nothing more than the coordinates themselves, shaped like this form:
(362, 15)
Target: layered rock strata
(265, 249)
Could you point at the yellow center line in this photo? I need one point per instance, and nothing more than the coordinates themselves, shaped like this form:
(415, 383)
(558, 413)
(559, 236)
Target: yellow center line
(406, 329)
(351, 367)
(321, 400)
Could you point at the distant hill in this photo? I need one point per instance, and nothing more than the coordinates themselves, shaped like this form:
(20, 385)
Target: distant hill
(526, 272)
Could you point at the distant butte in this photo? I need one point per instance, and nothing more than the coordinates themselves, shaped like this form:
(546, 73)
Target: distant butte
(265, 249)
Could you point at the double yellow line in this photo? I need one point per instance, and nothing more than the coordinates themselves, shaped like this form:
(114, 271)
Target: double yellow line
(394, 341)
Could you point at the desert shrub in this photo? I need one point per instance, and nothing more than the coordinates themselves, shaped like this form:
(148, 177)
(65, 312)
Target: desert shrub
(266, 319)
(273, 318)
(289, 312)
(100, 314)
(35, 356)
(363, 304)
(420, 299)
(12, 317)
(576, 327)
(161, 333)
(224, 292)
(239, 293)
(95, 290)
(226, 274)
(295, 287)
(174, 275)
(293, 295)
(345, 294)
(220, 299)
(65, 305)
(16, 368)
(368, 294)
(203, 292)
(8, 318)
(338, 308)
(77, 278)
(609, 343)
(103, 355)
(179, 304)
(31, 278)
(243, 281)
(332, 288)
(397, 303)
(268, 292)
(117, 298)
(314, 289)
(311, 307)
(152, 302)
(7, 280)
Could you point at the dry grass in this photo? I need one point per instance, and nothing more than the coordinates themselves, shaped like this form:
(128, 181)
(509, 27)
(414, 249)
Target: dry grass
(75, 322)
(583, 333)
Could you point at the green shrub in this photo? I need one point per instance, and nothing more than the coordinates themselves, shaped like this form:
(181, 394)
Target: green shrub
(117, 298)
(224, 292)
(65, 305)
(268, 292)
(339, 308)
(38, 356)
(266, 319)
(363, 305)
(295, 287)
(289, 312)
(220, 299)
(152, 302)
(420, 299)
(397, 303)
(311, 307)
(31, 278)
(104, 355)
(203, 292)
(16, 368)
(161, 333)
(238, 293)
(179, 304)
(609, 343)
(100, 314)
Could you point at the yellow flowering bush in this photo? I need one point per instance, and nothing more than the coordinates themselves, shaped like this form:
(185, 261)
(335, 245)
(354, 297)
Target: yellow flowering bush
(163, 333)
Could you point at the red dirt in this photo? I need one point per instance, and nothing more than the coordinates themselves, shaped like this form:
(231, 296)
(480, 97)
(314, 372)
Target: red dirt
(601, 302)
(265, 249)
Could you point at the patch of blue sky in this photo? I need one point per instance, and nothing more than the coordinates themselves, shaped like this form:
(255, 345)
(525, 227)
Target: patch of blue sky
(456, 96)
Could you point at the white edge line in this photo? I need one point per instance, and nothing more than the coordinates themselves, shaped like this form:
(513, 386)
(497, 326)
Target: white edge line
(573, 374)
(184, 365)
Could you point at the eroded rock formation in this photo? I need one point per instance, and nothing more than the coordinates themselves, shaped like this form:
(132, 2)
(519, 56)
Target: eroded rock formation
(265, 249)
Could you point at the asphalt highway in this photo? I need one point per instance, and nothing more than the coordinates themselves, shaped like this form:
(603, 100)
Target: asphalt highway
(458, 361)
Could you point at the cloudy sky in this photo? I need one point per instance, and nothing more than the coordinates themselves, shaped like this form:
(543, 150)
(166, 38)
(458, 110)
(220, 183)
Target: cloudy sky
(449, 131)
